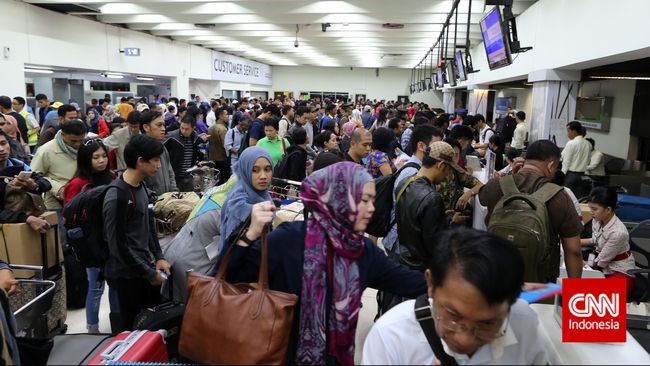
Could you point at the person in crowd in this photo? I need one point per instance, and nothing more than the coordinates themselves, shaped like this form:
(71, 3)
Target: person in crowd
(485, 132)
(513, 160)
(464, 136)
(575, 158)
(327, 141)
(379, 161)
(117, 141)
(346, 113)
(330, 115)
(43, 107)
(298, 162)
(50, 128)
(234, 138)
(356, 118)
(300, 119)
(19, 148)
(254, 171)
(256, 130)
(381, 121)
(420, 210)
(274, 143)
(135, 261)
(473, 285)
(360, 142)
(182, 145)
(57, 162)
(288, 114)
(211, 117)
(609, 237)
(596, 165)
(340, 200)
(164, 180)
(171, 120)
(6, 107)
(35, 183)
(442, 124)
(367, 117)
(96, 124)
(497, 145)
(217, 151)
(196, 113)
(347, 129)
(123, 108)
(406, 135)
(92, 171)
(33, 127)
(397, 126)
(109, 114)
(520, 132)
(542, 159)
(559, 180)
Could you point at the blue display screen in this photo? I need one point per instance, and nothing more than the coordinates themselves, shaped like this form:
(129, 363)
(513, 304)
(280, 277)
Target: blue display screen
(496, 47)
(460, 66)
(441, 80)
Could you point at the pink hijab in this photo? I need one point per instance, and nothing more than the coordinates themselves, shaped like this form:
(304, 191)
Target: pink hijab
(348, 128)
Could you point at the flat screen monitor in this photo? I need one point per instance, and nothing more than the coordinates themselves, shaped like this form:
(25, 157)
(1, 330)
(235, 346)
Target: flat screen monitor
(494, 39)
(440, 79)
(503, 103)
(460, 66)
(451, 73)
(434, 79)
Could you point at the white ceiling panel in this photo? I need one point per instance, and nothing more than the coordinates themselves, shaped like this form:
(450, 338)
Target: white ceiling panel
(265, 30)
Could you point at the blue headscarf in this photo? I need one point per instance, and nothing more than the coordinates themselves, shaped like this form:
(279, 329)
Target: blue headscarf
(241, 198)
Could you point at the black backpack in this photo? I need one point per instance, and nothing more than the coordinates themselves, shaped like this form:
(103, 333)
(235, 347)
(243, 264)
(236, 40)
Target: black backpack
(281, 169)
(84, 223)
(380, 223)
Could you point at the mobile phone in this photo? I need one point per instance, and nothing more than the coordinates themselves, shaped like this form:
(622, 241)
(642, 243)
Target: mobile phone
(25, 175)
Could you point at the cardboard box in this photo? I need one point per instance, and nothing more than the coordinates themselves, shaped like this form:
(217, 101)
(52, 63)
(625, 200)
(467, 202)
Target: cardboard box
(586, 213)
(20, 244)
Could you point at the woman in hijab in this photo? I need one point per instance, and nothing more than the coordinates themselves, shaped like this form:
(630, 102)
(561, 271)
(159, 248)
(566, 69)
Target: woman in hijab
(254, 171)
(327, 259)
(19, 149)
(348, 128)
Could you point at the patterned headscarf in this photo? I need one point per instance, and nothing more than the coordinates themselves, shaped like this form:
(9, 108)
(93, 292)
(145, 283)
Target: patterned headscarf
(348, 128)
(332, 248)
(241, 198)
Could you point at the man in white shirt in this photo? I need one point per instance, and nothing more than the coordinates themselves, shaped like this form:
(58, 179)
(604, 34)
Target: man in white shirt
(232, 142)
(474, 282)
(575, 158)
(596, 162)
(285, 121)
(484, 134)
(519, 136)
(211, 118)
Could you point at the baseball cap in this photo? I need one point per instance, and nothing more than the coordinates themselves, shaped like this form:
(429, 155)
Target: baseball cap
(442, 151)
(142, 107)
(367, 108)
(75, 105)
(56, 105)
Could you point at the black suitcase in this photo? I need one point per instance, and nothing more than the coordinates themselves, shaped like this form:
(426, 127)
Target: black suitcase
(168, 316)
(76, 281)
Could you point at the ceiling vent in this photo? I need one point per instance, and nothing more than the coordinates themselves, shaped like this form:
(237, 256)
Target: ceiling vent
(68, 8)
(392, 26)
(204, 25)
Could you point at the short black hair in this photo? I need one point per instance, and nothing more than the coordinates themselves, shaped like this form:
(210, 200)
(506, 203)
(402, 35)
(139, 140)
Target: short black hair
(5, 102)
(330, 107)
(442, 120)
(275, 111)
(74, 127)
(491, 264)
(604, 196)
(423, 133)
(286, 109)
(301, 110)
(542, 150)
(394, 123)
(299, 136)
(462, 132)
(193, 110)
(470, 120)
(20, 100)
(499, 141)
(479, 117)
(273, 122)
(190, 120)
(64, 109)
(326, 159)
(41, 96)
(512, 154)
(575, 126)
(322, 138)
(420, 121)
(453, 142)
(141, 146)
(592, 142)
(133, 118)
(147, 117)
(521, 115)
(383, 140)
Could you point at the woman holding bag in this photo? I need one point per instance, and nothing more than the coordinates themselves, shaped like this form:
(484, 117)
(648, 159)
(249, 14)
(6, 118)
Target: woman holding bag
(327, 262)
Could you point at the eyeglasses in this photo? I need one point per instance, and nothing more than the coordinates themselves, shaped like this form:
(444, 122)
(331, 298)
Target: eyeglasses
(91, 141)
(486, 333)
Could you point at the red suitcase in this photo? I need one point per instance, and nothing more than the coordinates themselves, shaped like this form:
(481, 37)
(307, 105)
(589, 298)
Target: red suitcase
(136, 346)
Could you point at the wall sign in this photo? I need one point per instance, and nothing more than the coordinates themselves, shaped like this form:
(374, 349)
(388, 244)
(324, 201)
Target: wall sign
(232, 68)
(131, 52)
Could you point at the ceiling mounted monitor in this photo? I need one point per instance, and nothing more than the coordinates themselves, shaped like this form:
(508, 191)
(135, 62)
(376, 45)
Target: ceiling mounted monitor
(451, 73)
(495, 39)
(461, 72)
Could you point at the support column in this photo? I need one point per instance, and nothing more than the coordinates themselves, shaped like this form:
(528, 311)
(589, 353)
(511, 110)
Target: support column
(449, 100)
(477, 101)
(554, 104)
(181, 86)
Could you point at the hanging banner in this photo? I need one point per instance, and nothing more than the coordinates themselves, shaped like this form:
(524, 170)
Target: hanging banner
(232, 68)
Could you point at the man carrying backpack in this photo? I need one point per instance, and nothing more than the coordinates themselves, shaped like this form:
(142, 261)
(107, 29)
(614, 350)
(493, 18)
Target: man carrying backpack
(557, 221)
(135, 266)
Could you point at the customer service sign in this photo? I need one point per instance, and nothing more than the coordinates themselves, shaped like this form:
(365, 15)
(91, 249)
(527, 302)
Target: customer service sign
(232, 68)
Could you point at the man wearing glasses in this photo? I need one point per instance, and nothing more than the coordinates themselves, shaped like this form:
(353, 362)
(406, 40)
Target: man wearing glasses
(471, 309)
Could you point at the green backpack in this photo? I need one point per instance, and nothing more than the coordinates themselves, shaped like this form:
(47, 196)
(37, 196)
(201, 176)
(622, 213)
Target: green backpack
(522, 219)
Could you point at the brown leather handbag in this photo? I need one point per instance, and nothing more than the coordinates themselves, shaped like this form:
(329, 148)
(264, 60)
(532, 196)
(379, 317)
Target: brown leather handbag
(236, 324)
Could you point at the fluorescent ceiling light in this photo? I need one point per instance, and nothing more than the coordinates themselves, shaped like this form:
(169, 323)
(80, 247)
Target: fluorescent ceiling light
(621, 77)
(144, 78)
(113, 76)
(38, 67)
(39, 71)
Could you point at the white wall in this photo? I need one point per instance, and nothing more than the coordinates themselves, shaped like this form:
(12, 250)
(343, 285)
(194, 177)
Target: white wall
(617, 141)
(431, 97)
(390, 83)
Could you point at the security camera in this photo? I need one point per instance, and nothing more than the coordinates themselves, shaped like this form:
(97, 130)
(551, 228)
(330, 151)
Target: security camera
(295, 44)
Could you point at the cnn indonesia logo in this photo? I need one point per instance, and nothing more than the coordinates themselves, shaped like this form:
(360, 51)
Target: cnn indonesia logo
(593, 310)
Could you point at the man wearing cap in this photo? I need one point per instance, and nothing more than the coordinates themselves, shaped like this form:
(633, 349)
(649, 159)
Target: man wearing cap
(420, 209)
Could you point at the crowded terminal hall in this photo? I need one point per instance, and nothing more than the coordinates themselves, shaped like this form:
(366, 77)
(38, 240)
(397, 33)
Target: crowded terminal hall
(320, 182)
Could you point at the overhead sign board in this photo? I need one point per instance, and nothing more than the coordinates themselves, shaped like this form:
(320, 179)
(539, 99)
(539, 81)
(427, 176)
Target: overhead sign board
(232, 68)
(131, 52)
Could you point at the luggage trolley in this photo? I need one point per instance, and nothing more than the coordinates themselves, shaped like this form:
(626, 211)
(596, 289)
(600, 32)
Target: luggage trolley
(31, 318)
(204, 177)
(286, 197)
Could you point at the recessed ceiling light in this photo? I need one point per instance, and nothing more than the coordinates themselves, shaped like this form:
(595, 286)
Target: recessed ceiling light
(39, 71)
(144, 78)
(38, 67)
(634, 77)
(112, 76)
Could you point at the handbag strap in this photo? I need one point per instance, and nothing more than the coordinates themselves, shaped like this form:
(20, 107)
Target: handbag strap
(424, 316)
(221, 271)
